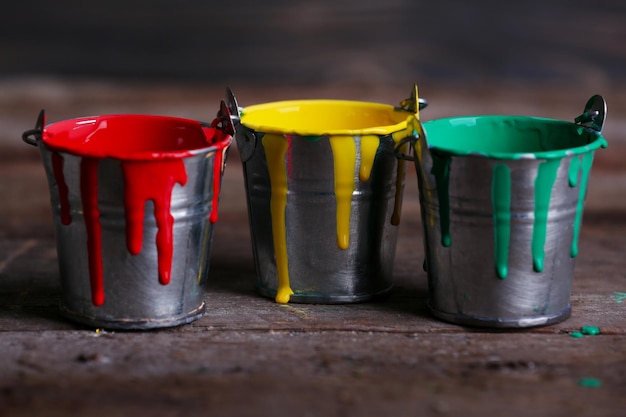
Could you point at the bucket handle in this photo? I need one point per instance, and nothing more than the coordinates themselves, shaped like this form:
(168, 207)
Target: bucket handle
(594, 114)
(33, 136)
(400, 145)
(224, 121)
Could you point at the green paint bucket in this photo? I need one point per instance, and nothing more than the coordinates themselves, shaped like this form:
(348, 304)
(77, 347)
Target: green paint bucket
(502, 202)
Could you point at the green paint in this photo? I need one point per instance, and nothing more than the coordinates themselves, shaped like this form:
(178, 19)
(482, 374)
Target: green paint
(590, 382)
(546, 175)
(618, 296)
(441, 171)
(510, 137)
(582, 192)
(590, 330)
(572, 173)
(501, 205)
(577, 335)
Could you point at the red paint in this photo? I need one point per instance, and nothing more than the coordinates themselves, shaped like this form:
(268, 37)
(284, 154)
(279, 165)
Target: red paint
(154, 181)
(57, 169)
(91, 213)
(151, 149)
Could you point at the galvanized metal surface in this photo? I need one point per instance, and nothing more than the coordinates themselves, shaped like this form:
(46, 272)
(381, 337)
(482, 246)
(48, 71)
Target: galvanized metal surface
(320, 271)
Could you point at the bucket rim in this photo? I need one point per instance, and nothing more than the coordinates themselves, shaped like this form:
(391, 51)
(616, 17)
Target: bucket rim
(380, 130)
(219, 140)
(598, 140)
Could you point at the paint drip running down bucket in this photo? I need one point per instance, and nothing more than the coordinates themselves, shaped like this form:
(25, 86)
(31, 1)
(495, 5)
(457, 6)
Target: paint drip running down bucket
(324, 192)
(134, 200)
(502, 202)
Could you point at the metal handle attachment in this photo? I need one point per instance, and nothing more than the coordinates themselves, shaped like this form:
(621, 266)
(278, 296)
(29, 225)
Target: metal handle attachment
(224, 121)
(233, 107)
(594, 114)
(34, 136)
(412, 103)
(246, 138)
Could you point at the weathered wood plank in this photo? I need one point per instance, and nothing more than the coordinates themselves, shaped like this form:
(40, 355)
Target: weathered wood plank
(227, 372)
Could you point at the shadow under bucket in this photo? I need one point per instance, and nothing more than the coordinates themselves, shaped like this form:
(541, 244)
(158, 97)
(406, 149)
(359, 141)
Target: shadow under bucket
(502, 202)
(134, 200)
(324, 191)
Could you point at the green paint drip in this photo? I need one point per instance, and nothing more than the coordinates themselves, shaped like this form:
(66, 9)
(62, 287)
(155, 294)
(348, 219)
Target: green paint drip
(577, 335)
(501, 204)
(572, 174)
(441, 171)
(582, 191)
(546, 176)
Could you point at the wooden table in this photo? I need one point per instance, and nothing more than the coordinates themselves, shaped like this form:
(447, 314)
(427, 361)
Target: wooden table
(250, 356)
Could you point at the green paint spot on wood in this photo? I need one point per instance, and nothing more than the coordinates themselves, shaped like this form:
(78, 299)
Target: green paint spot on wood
(590, 382)
(577, 335)
(501, 206)
(590, 330)
(618, 296)
(582, 192)
(441, 171)
(546, 176)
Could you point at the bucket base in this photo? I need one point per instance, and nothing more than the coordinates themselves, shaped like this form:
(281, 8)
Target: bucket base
(503, 322)
(134, 324)
(326, 299)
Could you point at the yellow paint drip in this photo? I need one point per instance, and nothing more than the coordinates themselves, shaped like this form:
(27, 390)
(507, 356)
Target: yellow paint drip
(344, 156)
(275, 149)
(369, 147)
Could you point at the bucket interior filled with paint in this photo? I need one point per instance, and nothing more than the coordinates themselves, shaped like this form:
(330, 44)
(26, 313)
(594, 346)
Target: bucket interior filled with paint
(134, 200)
(502, 201)
(324, 192)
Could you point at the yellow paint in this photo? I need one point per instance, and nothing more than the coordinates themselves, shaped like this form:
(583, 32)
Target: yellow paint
(344, 157)
(275, 149)
(324, 117)
(369, 146)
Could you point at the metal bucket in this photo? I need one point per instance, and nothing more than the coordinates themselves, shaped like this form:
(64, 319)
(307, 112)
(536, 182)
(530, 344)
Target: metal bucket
(502, 201)
(324, 192)
(134, 201)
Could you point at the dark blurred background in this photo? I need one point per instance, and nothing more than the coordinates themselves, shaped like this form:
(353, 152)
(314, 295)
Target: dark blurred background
(574, 43)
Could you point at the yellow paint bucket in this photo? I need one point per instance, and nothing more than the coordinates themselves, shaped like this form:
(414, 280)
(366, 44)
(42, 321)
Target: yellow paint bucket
(324, 192)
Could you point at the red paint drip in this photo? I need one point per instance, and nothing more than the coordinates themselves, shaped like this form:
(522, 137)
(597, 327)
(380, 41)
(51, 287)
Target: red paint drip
(152, 180)
(217, 179)
(57, 169)
(91, 213)
(151, 149)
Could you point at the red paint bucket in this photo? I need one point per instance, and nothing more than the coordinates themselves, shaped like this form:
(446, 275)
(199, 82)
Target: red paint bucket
(134, 200)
